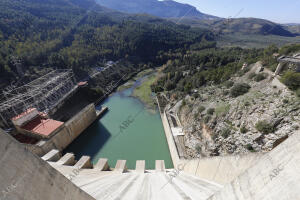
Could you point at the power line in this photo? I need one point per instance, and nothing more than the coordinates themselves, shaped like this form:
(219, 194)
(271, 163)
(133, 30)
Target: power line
(43, 93)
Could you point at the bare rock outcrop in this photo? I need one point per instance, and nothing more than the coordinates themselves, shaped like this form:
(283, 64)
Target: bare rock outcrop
(216, 123)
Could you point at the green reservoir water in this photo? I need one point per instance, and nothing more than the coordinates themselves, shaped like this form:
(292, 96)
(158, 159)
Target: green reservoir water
(128, 131)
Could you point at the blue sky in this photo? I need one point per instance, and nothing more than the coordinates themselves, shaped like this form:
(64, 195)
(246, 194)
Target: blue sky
(287, 11)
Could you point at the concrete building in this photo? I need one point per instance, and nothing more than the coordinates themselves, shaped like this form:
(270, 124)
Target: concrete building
(37, 125)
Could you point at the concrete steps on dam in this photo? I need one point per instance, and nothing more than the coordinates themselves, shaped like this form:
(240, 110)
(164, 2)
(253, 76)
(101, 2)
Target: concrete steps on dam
(25, 176)
(104, 182)
(274, 175)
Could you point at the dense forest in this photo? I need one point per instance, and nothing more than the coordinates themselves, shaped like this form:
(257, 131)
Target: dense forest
(36, 35)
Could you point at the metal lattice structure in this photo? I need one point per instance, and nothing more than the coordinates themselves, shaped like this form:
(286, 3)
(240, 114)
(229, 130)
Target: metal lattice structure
(43, 93)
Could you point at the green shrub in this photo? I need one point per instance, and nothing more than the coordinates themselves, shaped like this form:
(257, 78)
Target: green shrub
(170, 85)
(243, 72)
(239, 89)
(207, 119)
(260, 77)
(226, 132)
(250, 148)
(291, 80)
(187, 87)
(243, 129)
(273, 67)
(287, 49)
(229, 84)
(210, 111)
(247, 103)
(182, 104)
(198, 149)
(201, 109)
(222, 109)
(225, 92)
(264, 127)
(196, 95)
(298, 92)
(251, 75)
(285, 101)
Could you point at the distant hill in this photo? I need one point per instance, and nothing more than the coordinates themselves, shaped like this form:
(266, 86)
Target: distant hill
(240, 25)
(165, 9)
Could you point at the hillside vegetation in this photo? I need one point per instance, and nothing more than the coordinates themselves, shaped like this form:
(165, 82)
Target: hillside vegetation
(225, 108)
(80, 34)
(246, 32)
(185, 72)
(240, 25)
(254, 40)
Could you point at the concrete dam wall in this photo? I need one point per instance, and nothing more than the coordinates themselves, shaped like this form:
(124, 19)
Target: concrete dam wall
(271, 176)
(26, 176)
(275, 176)
(221, 169)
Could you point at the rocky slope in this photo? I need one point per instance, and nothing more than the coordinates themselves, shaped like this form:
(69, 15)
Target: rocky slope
(215, 123)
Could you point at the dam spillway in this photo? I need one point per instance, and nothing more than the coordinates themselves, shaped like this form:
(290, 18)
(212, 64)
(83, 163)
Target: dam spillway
(127, 131)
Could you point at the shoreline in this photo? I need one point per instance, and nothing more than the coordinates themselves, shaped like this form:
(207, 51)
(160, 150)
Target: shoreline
(142, 91)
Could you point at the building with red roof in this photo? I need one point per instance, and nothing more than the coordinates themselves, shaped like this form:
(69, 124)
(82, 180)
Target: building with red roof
(35, 124)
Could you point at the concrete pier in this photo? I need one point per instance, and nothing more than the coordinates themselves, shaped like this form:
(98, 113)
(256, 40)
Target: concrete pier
(101, 112)
(140, 166)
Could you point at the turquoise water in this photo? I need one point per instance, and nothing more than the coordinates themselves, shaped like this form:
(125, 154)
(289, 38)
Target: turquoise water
(128, 131)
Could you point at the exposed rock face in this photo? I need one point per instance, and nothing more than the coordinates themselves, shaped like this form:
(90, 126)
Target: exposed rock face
(232, 128)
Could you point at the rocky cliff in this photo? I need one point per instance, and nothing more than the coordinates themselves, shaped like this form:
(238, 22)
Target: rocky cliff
(218, 122)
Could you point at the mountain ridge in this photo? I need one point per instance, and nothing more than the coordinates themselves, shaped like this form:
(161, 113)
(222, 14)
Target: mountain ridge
(164, 9)
(240, 25)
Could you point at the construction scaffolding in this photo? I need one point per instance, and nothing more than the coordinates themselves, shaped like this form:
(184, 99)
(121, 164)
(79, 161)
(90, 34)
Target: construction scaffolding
(44, 93)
